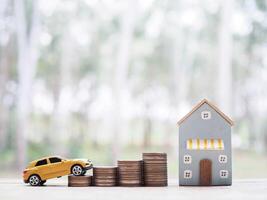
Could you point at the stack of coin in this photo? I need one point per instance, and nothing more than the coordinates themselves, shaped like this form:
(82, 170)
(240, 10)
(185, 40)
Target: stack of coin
(79, 181)
(130, 172)
(155, 169)
(105, 176)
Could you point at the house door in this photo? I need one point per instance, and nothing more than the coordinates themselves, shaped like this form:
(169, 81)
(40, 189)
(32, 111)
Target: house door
(205, 172)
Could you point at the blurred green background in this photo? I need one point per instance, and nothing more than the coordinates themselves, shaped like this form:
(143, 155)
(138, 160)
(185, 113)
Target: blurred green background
(108, 80)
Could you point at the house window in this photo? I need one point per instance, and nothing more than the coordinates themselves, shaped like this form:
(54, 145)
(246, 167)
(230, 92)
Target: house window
(223, 173)
(205, 144)
(222, 159)
(187, 159)
(187, 174)
(206, 115)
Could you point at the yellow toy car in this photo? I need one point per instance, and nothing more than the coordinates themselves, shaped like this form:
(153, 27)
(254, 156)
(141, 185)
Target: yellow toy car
(38, 171)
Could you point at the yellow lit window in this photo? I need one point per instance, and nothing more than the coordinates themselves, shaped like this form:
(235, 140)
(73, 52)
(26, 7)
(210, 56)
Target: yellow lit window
(205, 144)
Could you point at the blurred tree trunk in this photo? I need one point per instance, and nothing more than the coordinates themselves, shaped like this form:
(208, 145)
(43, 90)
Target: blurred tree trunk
(178, 56)
(4, 73)
(147, 127)
(224, 89)
(177, 76)
(181, 50)
(119, 83)
(62, 90)
(250, 122)
(27, 33)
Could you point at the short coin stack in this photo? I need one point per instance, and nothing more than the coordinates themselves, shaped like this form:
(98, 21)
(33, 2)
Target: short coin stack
(130, 172)
(155, 169)
(79, 181)
(105, 176)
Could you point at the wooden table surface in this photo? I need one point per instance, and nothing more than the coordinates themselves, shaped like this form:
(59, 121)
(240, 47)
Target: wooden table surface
(57, 189)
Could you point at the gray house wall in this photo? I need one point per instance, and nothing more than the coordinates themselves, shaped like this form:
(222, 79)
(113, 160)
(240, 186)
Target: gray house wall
(195, 127)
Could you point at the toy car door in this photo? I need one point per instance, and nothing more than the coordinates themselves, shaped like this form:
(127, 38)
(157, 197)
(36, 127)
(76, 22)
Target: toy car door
(56, 167)
(41, 168)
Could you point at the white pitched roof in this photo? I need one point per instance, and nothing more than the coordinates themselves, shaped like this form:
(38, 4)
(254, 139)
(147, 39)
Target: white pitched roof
(211, 105)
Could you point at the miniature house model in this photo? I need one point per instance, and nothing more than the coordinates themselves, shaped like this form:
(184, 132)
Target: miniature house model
(205, 146)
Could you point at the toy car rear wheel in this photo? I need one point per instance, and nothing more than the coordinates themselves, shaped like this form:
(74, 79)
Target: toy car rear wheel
(84, 172)
(77, 170)
(34, 180)
(42, 182)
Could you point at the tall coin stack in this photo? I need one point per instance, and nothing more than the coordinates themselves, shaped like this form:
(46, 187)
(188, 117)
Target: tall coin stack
(105, 176)
(155, 169)
(130, 173)
(79, 181)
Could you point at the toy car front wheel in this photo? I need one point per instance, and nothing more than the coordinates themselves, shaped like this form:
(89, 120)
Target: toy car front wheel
(34, 180)
(77, 170)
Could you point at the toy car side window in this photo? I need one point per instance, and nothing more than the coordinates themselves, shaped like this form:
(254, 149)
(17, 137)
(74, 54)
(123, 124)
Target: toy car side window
(41, 162)
(54, 160)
